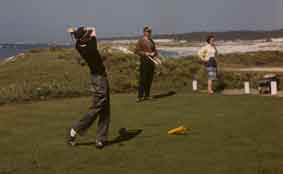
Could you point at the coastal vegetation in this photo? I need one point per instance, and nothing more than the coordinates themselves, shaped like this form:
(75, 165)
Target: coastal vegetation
(41, 74)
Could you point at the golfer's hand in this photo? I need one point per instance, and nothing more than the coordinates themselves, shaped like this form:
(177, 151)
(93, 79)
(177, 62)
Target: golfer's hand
(82, 63)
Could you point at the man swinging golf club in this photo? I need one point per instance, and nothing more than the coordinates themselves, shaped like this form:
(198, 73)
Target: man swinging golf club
(146, 49)
(86, 45)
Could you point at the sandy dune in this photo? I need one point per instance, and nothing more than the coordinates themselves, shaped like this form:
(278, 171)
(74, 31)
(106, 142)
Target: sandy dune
(231, 47)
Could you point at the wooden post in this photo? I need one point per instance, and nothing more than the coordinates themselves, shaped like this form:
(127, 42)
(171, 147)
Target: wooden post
(195, 85)
(273, 87)
(247, 87)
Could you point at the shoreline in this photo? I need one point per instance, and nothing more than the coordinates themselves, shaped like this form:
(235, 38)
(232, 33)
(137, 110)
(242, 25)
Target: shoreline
(11, 58)
(176, 49)
(7, 54)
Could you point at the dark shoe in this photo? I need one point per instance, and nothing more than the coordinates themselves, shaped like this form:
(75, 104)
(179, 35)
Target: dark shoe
(71, 141)
(139, 100)
(148, 98)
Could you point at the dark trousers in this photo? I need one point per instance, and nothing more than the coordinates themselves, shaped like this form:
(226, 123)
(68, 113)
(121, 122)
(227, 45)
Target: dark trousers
(100, 108)
(146, 77)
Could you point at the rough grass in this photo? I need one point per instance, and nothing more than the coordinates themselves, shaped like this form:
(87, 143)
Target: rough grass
(52, 73)
(253, 59)
(49, 73)
(226, 135)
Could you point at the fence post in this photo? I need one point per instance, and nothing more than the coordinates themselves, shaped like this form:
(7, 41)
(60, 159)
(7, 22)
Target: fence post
(195, 85)
(273, 87)
(247, 87)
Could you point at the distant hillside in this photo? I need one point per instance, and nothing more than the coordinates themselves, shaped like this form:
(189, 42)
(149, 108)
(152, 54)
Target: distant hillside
(228, 35)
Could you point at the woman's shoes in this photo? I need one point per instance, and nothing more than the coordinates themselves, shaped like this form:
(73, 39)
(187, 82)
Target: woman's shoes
(148, 98)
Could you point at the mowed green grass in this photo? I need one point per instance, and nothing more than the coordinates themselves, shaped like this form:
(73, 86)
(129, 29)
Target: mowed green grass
(227, 135)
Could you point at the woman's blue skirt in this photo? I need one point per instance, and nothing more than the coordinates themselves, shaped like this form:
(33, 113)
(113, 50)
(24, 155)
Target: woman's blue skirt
(211, 68)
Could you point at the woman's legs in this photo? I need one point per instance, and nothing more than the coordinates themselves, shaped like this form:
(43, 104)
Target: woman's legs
(212, 74)
(209, 87)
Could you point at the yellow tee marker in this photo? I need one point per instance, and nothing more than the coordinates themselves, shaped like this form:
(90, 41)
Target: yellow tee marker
(179, 130)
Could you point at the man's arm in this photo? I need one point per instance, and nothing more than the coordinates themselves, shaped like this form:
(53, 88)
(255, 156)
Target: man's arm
(84, 48)
(155, 52)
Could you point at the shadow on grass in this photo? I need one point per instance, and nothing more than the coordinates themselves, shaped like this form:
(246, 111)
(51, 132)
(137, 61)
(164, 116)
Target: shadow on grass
(163, 95)
(124, 135)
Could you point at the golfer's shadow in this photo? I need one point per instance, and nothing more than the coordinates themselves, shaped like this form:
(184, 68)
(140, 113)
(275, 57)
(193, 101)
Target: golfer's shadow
(124, 135)
(163, 95)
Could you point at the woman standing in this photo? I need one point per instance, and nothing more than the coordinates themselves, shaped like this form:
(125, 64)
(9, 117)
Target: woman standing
(208, 55)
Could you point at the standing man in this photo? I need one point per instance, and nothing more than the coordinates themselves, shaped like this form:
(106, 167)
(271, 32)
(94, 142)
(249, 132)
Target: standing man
(146, 49)
(86, 45)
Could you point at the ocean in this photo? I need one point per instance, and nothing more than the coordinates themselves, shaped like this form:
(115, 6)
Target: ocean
(171, 54)
(9, 50)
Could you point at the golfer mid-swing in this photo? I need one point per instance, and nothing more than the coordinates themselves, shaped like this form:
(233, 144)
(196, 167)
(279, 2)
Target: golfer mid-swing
(146, 49)
(86, 45)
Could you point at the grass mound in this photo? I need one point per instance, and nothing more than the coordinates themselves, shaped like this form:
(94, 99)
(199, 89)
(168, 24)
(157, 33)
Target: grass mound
(252, 59)
(52, 73)
(49, 73)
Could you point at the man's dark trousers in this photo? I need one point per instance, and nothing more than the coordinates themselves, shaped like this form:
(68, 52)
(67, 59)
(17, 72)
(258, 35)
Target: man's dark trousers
(146, 77)
(100, 108)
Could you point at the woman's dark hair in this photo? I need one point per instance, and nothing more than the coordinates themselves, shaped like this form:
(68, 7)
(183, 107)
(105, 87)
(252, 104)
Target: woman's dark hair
(209, 37)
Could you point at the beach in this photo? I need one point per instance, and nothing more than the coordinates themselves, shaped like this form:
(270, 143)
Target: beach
(167, 47)
(228, 47)
(181, 48)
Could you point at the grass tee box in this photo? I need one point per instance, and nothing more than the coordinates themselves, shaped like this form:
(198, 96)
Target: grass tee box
(226, 135)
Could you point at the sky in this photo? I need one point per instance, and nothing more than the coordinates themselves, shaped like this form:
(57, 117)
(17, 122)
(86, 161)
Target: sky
(47, 20)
